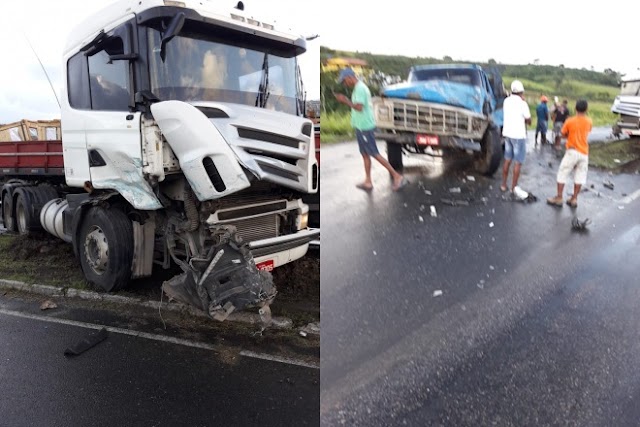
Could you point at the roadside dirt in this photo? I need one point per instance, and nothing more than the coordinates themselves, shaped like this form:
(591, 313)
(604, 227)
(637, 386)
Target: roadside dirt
(46, 260)
(616, 155)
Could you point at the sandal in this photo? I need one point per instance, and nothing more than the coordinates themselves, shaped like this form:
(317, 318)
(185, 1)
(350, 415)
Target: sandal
(573, 203)
(555, 201)
(503, 188)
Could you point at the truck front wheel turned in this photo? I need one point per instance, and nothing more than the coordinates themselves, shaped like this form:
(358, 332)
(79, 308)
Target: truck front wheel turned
(106, 248)
(488, 160)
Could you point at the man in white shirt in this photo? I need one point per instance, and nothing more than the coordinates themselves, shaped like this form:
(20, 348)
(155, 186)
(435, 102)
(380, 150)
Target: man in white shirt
(516, 118)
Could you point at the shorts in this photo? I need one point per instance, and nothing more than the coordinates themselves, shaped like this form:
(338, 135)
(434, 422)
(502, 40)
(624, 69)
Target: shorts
(573, 160)
(515, 149)
(557, 129)
(367, 142)
(542, 126)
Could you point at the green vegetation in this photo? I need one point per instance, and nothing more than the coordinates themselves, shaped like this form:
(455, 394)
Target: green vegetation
(336, 127)
(598, 88)
(41, 261)
(605, 155)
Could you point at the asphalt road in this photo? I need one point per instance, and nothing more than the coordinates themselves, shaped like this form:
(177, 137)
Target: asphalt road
(138, 380)
(491, 313)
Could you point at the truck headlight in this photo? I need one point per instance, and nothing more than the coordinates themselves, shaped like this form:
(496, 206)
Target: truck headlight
(303, 221)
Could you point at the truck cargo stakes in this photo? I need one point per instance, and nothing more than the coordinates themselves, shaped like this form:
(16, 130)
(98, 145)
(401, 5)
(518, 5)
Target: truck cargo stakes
(175, 149)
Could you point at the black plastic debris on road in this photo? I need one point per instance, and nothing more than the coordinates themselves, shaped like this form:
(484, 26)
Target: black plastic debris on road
(579, 225)
(608, 184)
(86, 343)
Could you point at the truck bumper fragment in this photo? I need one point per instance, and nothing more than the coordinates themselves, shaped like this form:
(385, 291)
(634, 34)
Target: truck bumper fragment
(226, 281)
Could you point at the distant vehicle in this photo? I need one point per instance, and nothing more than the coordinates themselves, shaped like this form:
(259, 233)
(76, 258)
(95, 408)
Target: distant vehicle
(627, 106)
(443, 107)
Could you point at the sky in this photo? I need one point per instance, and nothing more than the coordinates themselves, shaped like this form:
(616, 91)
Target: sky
(577, 34)
(24, 90)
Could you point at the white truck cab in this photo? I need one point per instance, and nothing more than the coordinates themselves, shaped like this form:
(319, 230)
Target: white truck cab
(627, 106)
(184, 142)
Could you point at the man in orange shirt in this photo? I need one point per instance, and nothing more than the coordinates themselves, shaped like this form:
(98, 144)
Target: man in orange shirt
(576, 129)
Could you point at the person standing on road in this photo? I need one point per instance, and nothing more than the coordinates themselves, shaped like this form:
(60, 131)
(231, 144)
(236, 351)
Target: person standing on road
(560, 115)
(542, 113)
(576, 159)
(516, 118)
(363, 121)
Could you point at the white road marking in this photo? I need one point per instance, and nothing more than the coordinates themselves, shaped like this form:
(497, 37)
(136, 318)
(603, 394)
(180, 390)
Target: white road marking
(280, 359)
(155, 337)
(630, 198)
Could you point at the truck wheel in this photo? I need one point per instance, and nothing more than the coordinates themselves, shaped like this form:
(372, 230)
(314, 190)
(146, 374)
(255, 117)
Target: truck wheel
(21, 215)
(394, 155)
(7, 213)
(105, 246)
(29, 203)
(488, 160)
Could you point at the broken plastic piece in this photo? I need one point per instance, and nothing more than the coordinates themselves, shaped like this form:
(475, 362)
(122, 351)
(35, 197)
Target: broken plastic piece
(608, 184)
(471, 178)
(420, 218)
(437, 293)
(48, 304)
(578, 224)
(455, 190)
(491, 224)
(433, 211)
(90, 341)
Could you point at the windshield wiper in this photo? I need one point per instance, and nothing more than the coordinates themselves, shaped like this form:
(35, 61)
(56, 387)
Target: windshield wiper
(263, 90)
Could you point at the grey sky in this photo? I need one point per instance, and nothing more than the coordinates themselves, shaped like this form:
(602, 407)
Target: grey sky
(24, 91)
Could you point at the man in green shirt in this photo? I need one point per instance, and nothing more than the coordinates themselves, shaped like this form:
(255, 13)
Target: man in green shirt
(363, 121)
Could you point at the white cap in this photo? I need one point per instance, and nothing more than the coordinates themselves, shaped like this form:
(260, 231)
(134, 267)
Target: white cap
(517, 87)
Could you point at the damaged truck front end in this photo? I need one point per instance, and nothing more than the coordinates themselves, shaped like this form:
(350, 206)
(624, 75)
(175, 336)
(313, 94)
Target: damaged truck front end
(184, 124)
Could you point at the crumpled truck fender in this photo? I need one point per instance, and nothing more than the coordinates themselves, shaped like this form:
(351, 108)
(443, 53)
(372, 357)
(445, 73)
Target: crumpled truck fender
(207, 161)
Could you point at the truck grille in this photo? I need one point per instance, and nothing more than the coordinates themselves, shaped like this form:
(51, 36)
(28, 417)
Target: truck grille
(430, 119)
(259, 228)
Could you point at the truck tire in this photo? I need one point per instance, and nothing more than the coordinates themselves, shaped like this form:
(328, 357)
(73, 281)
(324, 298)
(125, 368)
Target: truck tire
(7, 213)
(394, 155)
(488, 160)
(29, 203)
(105, 246)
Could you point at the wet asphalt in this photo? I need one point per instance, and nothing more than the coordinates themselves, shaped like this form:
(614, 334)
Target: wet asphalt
(492, 313)
(136, 381)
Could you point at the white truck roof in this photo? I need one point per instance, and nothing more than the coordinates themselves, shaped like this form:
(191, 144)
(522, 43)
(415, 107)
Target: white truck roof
(123, 10)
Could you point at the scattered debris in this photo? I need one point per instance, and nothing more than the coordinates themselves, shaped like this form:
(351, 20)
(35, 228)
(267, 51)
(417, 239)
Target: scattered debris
(420, 218)
(621, 207)
(455, 190)
(578, 224)
(550, 164)
(427, 192)
(437, 293)
(608, 184)
(491, 267)
(455, 202)
(48, 304)
(491, 225)
(375, 253)
(312, 328)
(303, 333)
(592, 186)
(471, 178)
(616, 161)
(624, 194)
(422, 208)
(406, 206)
(90, 341)
(433, 211)
(480, 214)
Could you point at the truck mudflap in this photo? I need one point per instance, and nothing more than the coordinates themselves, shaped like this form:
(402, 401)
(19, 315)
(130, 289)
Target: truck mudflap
(227, 280)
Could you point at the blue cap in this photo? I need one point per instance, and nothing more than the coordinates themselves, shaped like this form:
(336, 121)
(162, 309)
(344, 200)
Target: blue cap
(346, 72)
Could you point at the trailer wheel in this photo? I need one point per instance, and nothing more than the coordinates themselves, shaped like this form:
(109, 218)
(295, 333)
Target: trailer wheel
(21, 215)
(488, 160)
(7, 213)
(106, 248)
(394, 155)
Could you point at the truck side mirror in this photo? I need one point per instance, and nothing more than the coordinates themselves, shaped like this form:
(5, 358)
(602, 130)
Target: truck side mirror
(173, 29)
